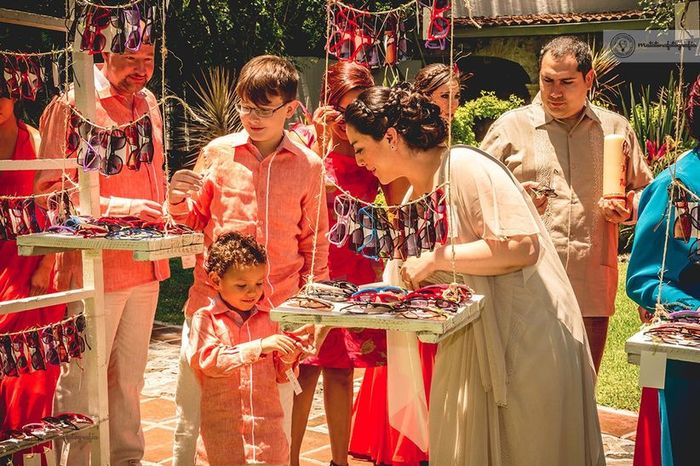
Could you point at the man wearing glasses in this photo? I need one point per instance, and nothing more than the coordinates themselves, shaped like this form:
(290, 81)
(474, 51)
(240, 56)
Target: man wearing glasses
(131, 287)
(554, 147)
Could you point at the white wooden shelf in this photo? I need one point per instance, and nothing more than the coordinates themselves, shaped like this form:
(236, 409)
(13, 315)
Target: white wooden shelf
(144, 249)
(640, 342)
(34, 302)
(428, 331)
(38, 164)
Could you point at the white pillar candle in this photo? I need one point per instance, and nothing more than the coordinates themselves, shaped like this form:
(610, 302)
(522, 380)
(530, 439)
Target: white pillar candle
(614, 167)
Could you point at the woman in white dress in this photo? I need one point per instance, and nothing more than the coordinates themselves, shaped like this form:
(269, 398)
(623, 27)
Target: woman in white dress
(516, 387)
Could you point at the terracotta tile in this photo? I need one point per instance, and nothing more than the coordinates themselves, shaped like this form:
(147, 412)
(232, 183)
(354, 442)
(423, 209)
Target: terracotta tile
(314, 440)
(157, 409)
(322, 454)
(316, 421)
(159, 444)
(358, 462)
(617, 423)
(304, 462)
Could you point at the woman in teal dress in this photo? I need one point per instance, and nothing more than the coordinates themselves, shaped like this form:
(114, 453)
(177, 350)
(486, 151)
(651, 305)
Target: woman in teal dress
(667, 427)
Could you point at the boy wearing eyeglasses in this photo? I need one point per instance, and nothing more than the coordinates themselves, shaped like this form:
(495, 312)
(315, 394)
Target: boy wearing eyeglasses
(257, 182)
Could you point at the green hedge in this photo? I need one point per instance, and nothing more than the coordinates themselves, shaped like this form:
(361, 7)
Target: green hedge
(476, 115)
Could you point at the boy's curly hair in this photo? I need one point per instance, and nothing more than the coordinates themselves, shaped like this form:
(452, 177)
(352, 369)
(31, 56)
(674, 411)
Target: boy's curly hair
(234, 250)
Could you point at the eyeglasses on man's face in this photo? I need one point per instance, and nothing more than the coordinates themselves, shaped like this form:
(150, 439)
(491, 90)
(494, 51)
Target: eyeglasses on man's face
(258, 112)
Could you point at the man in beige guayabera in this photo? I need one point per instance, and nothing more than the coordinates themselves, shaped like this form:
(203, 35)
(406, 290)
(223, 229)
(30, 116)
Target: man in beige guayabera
(557, 142)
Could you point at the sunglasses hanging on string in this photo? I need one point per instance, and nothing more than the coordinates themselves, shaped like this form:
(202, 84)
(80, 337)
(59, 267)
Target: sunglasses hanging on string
(108, 150)
(26, 76)
(439, 25)
(35, 349)
(95, 29)
(378, 232)
(367, 39)
(23, 216)
(686, 224)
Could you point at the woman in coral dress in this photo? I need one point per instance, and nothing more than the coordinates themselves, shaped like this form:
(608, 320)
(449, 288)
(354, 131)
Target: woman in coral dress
(29, 397)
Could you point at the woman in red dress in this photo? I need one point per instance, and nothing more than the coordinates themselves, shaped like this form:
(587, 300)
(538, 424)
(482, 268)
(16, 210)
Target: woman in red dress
(29, 397)
(343, 349)
(372, 436)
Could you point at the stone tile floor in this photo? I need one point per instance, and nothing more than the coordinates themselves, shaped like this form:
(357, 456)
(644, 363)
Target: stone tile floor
(158, 413)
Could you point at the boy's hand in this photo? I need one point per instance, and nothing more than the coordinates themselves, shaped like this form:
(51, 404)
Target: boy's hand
(305, 336)
(326, 114)
(145, 209)
(182, 183)
(280, 343)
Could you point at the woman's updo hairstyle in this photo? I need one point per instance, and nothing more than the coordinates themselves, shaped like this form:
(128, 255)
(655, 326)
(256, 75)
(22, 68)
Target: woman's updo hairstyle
(411, 113)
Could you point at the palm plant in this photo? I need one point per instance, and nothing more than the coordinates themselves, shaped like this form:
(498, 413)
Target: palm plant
(215, 112)
(659, 124)
(605, 83)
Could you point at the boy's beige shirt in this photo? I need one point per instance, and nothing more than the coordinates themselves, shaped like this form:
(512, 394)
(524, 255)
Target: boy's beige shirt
(537, 147)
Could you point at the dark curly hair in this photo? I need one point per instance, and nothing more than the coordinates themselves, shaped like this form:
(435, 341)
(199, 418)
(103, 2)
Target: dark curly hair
(431, 77)
(411, 113)
(234, 250)
(692, 110)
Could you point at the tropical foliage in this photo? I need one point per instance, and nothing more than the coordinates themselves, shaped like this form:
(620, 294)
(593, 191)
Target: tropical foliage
(659, 122)
(476, 115)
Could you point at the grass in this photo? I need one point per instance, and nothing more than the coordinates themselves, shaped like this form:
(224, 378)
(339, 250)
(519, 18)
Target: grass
(618, 381)
(173, 294)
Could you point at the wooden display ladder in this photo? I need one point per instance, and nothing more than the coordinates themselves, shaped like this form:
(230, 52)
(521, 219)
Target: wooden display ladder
(92, 292)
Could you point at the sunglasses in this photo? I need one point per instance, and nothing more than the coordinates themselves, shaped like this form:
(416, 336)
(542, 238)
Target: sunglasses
(89, 21)
(128, 36)
(310, 302)
(673, 333)
(30, 77)
(94, 22)
(334, 291)
(383, 294)
(687, 222)
(106, 150)
(12, 77)
(365, 39)
(21, 217)
(439, 25)
(384, 233)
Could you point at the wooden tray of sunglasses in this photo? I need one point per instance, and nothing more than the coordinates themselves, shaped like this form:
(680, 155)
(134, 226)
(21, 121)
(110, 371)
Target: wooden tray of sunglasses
(144, 249)
(84, 432)
(428, 330)
(640, 342)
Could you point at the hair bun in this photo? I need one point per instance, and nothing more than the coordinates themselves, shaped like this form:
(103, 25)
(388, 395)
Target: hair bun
(413, 115)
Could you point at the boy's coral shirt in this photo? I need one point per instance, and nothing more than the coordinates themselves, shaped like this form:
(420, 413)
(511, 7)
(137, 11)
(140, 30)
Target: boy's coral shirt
(276, 198)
